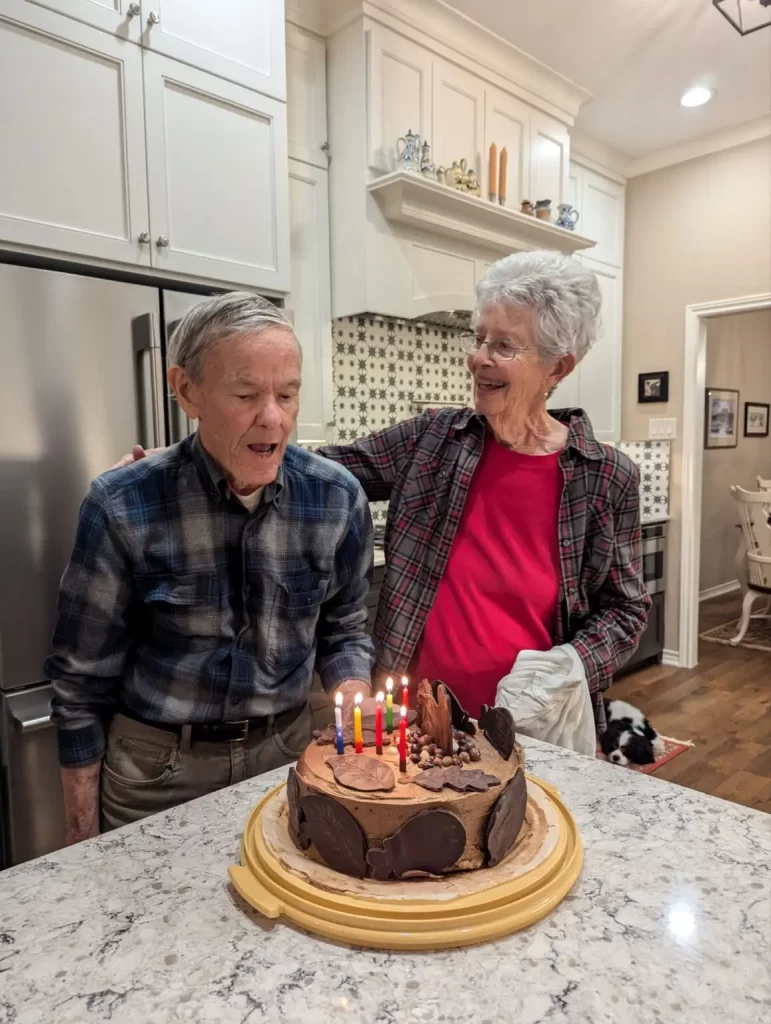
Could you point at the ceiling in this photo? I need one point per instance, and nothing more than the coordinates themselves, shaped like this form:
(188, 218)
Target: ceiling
(637, 57)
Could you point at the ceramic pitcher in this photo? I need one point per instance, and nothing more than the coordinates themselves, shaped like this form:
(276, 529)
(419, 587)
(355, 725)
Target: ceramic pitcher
(568, 216)
(408, 152)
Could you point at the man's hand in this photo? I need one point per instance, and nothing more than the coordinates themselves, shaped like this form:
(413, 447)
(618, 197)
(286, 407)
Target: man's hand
(137, 453)
(81, 802)
(349, 688)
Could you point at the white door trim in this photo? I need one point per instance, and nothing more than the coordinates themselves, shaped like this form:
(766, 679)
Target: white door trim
(694, 383)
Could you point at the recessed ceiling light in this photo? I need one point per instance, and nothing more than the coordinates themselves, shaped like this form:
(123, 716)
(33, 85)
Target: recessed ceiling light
(696, 96)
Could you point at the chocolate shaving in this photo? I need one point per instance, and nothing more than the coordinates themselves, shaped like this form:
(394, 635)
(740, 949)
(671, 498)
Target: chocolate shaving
(460, 779)
(498, 727)
(461, 720)
(434, 716)
(430, 843)
(335, 833)
(366, 774)
(505, 821)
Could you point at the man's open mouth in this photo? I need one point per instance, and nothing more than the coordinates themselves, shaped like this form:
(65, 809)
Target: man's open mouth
(265, 450)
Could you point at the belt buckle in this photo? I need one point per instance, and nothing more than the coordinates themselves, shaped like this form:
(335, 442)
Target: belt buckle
(244, 731)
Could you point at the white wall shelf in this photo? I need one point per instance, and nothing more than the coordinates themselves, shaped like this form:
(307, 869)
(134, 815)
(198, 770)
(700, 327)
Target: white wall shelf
(412, 199)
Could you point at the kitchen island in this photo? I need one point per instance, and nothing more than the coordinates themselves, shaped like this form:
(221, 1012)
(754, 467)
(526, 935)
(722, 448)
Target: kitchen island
(670, 921)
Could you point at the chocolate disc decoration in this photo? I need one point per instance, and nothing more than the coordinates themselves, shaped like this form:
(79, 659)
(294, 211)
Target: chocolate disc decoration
(430, 843)
(335, 833)
(505, 821)
(357, 771)
(460, 718)
(498, 727)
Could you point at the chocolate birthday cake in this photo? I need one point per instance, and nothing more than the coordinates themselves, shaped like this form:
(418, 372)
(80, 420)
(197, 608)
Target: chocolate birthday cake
(459, 805)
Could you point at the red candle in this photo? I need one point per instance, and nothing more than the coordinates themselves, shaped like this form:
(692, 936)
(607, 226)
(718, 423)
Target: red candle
(379, 722)
(403, 740)
(405, 692)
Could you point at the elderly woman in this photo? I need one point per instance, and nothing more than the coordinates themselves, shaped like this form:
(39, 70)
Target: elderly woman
(510, 528)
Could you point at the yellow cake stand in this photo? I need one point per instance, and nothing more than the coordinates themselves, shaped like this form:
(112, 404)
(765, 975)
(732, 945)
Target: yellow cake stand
(407, 924)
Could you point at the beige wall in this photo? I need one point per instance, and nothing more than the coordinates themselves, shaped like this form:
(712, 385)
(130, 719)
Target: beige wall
(738, 357)
(696, 232)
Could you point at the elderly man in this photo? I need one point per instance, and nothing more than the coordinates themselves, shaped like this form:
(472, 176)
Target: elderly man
(205, 584)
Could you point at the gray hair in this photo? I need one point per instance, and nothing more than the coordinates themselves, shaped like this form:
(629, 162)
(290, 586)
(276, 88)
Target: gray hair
(217, 318)
(564, 294)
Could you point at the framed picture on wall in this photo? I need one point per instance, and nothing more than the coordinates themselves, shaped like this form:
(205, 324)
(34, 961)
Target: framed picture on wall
(721, 418)
(653, 387)
(756, 419)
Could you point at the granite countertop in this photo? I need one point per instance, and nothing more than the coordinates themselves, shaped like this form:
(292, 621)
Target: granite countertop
(669, 922)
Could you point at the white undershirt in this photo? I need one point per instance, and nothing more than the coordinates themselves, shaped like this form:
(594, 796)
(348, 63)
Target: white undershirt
(251, 501)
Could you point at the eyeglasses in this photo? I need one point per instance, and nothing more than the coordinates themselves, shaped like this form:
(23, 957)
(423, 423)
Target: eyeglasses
(502, 349)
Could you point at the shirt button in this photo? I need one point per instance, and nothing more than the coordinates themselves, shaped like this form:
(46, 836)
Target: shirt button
(566, 543)
(572, 590)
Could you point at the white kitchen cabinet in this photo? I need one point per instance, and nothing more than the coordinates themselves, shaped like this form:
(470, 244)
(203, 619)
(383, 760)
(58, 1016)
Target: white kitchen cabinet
(458, 116)
(72, 154)
(306, 91)
(122, 18)
(217, 177)
(600, 202)
(399, 94)
(309, 302)
(507, 124)
(599, 373)
(549, 158)
(573, 193)
(240, 40)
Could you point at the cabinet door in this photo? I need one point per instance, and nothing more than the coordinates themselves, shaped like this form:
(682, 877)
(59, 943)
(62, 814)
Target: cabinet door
(306, 91)
(549, 158)
(241, 40)
(310, 299)
(602, 216)
(507, 123)
(217, 172)
(599, 374)
(121, 17)
(72, 155)
(399, 89)
(574, 192)
(458, 116)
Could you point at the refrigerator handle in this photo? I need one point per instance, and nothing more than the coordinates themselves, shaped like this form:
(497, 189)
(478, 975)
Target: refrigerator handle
(32, 721)
(146, 340)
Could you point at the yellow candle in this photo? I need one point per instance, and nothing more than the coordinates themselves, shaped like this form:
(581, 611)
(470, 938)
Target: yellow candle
(502, 176)
(358, 739)
(492, 172)
(389, 705)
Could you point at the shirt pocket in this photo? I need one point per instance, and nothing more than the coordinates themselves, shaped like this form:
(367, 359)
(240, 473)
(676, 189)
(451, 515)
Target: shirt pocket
(295, 609)
(181, 605)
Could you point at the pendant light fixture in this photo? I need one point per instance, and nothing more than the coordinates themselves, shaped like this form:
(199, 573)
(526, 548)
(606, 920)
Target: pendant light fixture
(746, 16)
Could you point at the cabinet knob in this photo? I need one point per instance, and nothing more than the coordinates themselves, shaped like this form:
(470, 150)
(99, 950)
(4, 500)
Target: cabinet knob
(162, 241)
(133, 10)
(143, 237)
(153, 18)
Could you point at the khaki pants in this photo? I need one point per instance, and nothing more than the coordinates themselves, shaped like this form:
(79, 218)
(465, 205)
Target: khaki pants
(147, 770)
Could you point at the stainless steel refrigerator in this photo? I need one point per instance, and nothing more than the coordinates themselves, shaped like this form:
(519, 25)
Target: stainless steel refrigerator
(82, 378)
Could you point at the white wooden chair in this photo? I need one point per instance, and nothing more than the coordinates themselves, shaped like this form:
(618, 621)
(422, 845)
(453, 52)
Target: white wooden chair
(755, 518)
(763, 485)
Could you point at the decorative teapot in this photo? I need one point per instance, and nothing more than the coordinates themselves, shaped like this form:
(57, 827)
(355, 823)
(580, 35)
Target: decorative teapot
(568, 216)
(409, 155)
(454, 175)
(426, 163)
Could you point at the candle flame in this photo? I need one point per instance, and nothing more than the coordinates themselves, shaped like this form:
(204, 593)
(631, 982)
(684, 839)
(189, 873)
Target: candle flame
(357, 699)
(379, 696)
(403, 711)
(339, 699)
(405, 681)
(389, 684)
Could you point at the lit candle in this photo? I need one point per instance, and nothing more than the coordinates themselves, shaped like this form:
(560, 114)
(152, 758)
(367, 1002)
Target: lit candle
(405, 691)
(339, 724)
(358, 739)
(492, 173)
(389, 705)
(379, 722)
(502, 177)
(403, 740)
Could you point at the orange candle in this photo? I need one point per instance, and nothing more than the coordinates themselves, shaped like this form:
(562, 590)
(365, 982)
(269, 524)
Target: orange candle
(379, 722)
(403, 740)
(492, 173)
(502, 176)
(358, 738)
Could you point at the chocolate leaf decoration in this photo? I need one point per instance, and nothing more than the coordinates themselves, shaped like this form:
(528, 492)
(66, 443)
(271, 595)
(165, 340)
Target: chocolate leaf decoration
(505, 821)
(327, 736)
(430, 843)
(461, 779)
(461, 720)
(498, 727)
(431, 779)
(357, 771)
(335, 833)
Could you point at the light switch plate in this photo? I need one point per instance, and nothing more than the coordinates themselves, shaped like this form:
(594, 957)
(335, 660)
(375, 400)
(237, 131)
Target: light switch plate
(664, 429)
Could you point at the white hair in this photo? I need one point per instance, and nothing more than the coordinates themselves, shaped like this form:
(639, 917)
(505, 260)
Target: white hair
(217, 318)
(564, 294)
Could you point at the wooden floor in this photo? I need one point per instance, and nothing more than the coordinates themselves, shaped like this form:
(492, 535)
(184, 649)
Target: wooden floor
(723, 705)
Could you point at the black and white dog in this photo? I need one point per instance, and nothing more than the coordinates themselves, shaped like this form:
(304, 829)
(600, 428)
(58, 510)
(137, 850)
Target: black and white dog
(630, 737)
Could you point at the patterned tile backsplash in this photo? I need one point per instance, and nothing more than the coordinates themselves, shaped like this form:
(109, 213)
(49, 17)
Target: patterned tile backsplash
(387, 370)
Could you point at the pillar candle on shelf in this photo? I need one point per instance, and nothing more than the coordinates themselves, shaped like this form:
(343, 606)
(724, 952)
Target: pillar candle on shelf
(389, 705)
(403, 739)
(339, 742)
(502, 177)
(405, 691)
(492, 173)
(358, 739)
(379, 722)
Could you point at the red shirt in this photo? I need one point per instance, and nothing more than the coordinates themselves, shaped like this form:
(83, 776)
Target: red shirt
(500, 590)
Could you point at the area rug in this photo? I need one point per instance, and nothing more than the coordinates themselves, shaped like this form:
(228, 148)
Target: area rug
(757, 637)
(671, 749)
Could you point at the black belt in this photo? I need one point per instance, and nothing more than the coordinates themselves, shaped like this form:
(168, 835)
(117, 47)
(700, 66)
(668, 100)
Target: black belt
(216, 732)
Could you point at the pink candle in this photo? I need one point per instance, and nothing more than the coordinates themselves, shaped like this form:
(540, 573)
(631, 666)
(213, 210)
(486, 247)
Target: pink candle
(403, 739)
